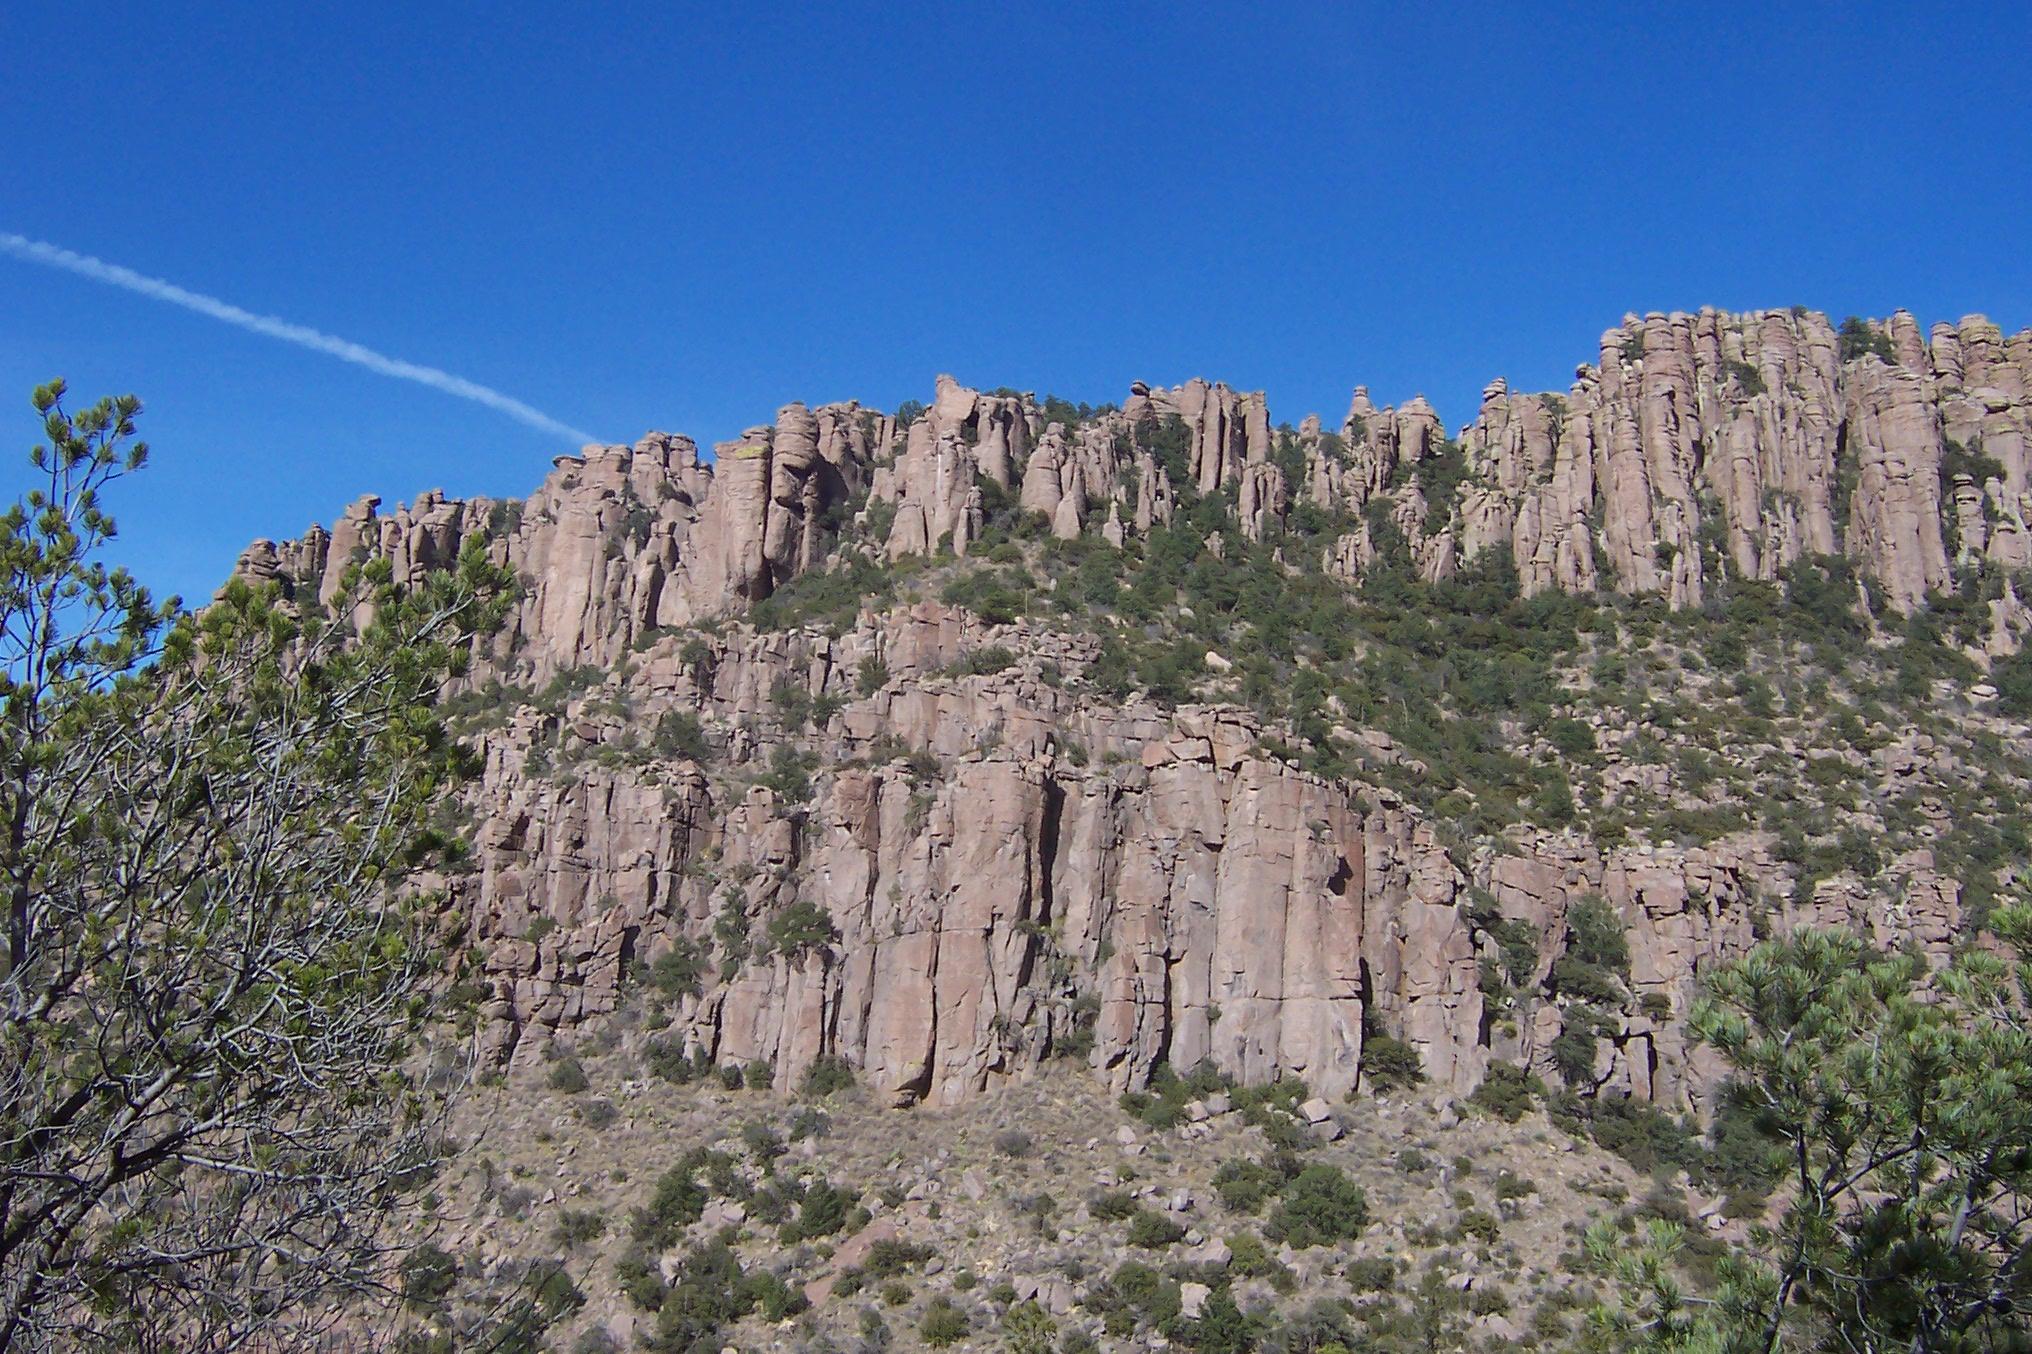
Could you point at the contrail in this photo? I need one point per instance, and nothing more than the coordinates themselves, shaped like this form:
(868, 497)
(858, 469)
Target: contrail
(35, 251)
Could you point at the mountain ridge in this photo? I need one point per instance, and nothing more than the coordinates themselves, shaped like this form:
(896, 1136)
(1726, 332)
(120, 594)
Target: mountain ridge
(938, 743)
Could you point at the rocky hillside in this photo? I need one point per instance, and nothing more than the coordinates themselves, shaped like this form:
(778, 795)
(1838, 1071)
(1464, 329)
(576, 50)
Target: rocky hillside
(930, 746)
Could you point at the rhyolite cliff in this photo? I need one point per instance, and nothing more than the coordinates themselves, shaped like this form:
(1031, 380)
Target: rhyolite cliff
(922, 841)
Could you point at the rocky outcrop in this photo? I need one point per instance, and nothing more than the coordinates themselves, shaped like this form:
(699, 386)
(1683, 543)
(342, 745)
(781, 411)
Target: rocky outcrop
(1188, 899)
(988, 871)
(1895, 517)
(1698, 446)
(944, 877)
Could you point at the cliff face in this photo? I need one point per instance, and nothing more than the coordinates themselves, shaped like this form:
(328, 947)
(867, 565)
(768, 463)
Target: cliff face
(927, 846)
(1046, 870)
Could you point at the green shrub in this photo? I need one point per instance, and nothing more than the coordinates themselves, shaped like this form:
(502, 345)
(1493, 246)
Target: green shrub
(679, 970)
(667, 1059)
(428, 1274)
(577, 1226)
(1480, 1224)
(888, 1257)
(1856, 338)
(827, 1075)
(789, 773)
(799, 928)
(1244, 1185)
(1376, 1274)
(1745, 375)
(1135, 1294)
(986, 662)
(679, 734)
(944, 1324)
(1320, 1206)
(1112, 1206)
(1150, 1230)
(567, 1076)
(822, 1212)
(1390, 1064)
(1028, 1329)
(677, 1202)
(709, 1293)
(1507, 1091)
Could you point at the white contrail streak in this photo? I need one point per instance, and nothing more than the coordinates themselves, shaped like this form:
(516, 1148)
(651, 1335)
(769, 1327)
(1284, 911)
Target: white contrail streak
(52, 256)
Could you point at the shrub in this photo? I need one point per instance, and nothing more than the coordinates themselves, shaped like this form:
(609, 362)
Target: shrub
(1133, 1295)
(1112, 1206)
(1390, 1064)
(2012, 676)
(679, 734)
(567, 1076)
(1321, 1205)
(678, 1202)
(822, 1212)
(1747, 376)
(889, 1257)
(986, 662)
(944, 1324)
(1856, 338)
(667, 1059)
(1507, 1091)
(762, 1142)
(678, 971)
(871, 676)
(1013, 1142)
(1643, 1135)
(709, 1292)
(1244, 1185)
(1249, 1257)
(428, 1274)
(827, 1075)
(576, 1226)
(776, 1297)
(801, 927)
(1150, 1230)
(1028, 1329)
(1377, 1274)
(1480, 1224)
(789, 774)
(1574, 1049)
(639, 1279)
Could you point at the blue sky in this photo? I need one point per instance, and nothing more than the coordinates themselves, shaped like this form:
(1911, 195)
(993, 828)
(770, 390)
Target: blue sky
(655, 216)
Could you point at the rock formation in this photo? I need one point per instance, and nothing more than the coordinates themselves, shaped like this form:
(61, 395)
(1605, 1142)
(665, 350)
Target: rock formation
(1001, 864)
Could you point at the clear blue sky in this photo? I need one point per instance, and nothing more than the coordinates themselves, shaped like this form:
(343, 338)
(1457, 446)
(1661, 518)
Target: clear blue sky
(648, 216)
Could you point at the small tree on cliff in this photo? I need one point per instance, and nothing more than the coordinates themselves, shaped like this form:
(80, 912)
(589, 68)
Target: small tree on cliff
(1903, 1098)
(208, 988)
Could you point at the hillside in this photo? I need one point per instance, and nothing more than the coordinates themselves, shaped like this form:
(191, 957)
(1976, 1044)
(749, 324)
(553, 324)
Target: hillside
(944, 751)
